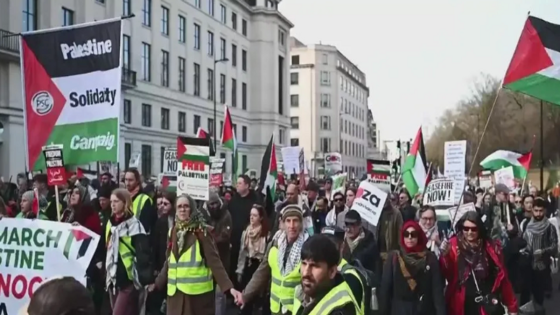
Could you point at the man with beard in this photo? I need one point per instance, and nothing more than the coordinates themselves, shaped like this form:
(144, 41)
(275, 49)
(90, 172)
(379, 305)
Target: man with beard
(293, 197)
(388, 230)
(336, 216)
(323, 289)
(542, 244)
(312, 195)
(143, 206)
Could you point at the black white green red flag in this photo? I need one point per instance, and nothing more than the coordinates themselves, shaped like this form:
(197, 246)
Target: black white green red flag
(229, 140)
(72, 91)
(414, 172)
(535, 66)
(269, 171)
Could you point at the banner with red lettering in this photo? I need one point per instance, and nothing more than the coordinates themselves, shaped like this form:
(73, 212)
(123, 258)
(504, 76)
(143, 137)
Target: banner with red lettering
(32, 251)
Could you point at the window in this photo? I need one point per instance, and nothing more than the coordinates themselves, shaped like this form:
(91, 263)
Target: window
(325, 78)
(244, 60)
(210, 44)
(146, 115)
(244, 27)
(147, 13)
(244, 163)
(325, 123)
(182, 29)
(281, 38)
(294, 122)
(294, 78)
(223, 13)
(197, 3)
(234, 20)
(67, 17)
(222, 48)
(294, 142)
(196, 36)
(281, 135)
(196, 123)
(182, 74)
(146, 62)
(210, 84)
(295, 60)
(196, 81)
(233, 93)
(233, 55)
(164, 68)
(29, 15)
(165, 118)
(182, 122)
(146, 161)
(244, 133)
(127, 112)
(126, 51)
(294, 100)
(325, 100)
(161, 157)
(244, 96)
(164, 20)
(325, 59)
(126, 8)
(325, 145)
(210, 125)
(222, 88)
(127, 154)
(211, 7)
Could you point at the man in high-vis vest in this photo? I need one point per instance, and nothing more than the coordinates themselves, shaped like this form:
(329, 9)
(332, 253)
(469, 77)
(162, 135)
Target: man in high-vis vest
(280, 265)
(143, 206)
(323, 290)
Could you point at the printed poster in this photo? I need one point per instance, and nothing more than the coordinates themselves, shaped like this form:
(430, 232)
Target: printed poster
(440, 192)
(333, 163)
(369, 202)
(193, 167)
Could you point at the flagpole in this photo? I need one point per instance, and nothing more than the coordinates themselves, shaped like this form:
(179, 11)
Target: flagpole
(525, 178)
(542, 150)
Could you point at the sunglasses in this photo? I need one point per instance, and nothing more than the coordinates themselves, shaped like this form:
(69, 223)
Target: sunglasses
(469, 228)
(338, 200)
(411, 234)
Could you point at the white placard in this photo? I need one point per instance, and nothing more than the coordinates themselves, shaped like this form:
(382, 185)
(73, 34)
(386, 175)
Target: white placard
(36, 250)
(505, 176)
(440, 192)
(291, 159)
(369, 202)
(456, 213)
(454, 159)
(170, 162)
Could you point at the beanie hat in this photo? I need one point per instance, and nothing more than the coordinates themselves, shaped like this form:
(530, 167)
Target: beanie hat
(292, 211)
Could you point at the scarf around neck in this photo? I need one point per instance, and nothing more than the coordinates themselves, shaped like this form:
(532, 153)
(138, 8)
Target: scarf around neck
(254, 241)
(294, 256)
(353, 243)
(472, 259)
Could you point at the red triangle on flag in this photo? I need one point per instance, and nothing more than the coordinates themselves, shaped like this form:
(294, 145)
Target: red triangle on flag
(165, 182)
(79, 173)
(529, 57)
(525, 160)
(181, 149)
(80, 235)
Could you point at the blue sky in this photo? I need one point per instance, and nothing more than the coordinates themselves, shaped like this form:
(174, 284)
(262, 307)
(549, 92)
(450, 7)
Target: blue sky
(420, 57)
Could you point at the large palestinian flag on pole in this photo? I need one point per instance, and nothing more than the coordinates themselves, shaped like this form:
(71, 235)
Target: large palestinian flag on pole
(535, 66)
(414, 170)
(72, 92)
(502, 158)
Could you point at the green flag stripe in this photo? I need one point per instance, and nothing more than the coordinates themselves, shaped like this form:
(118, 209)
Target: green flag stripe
(538, 86)
(196, 158)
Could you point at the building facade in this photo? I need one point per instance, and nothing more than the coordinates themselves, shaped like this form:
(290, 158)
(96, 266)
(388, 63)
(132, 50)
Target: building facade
(328, 100)
(374, 150)
(179, 57)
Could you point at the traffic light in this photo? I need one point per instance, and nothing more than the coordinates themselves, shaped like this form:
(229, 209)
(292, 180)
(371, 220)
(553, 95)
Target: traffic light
(408, 147)
(398, 144)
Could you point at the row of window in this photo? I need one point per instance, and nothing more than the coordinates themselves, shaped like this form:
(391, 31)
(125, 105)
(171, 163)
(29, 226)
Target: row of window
(352, 109)
(324, 75)
(354, 90)
(146, 159)
(165, 116)
(345, 126)
(347, 147)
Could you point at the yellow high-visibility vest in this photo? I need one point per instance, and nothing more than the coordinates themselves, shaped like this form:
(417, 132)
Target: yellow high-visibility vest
(126, 250)
(345, 268)
(283, 287)
(337, 297)
(189, 274)
(138, 204)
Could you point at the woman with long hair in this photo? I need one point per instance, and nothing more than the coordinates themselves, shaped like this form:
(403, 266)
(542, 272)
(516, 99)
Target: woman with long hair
(128, 261)
(193, 264)
(253, 248)
(411, 281)
(477, 281)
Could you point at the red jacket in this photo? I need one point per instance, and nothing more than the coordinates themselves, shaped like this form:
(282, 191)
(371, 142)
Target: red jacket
(88, 218)
(455, 294)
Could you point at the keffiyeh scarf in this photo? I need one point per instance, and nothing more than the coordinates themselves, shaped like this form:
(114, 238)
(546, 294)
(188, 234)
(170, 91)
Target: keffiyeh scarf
(130, 227)
(294, 257)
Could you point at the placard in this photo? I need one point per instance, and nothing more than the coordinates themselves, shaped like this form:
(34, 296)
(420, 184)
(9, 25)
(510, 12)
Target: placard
(457, 212)
(56, 173)
(505, 176)
(194, 167)
(170, 162)
(369, 202)
(291, 160)
(440, 192)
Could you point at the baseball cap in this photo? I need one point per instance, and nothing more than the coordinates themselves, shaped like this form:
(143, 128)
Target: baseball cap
(353, 217)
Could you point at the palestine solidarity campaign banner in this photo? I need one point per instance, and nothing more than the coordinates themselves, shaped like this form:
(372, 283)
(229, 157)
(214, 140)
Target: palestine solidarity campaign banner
(32, 251)
(72, 91)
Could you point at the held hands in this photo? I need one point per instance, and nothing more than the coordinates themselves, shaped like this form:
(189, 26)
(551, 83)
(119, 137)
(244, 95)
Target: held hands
(509, 227)
(237, 297)
(151, 287)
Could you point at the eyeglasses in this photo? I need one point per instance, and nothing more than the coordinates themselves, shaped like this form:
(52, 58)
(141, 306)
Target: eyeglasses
(470, 228)
(427, 218)
(411, 234)
(350, 223)
(165, 204)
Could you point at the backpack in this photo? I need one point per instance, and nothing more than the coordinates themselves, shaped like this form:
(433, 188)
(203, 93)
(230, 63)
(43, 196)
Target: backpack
(366, 277)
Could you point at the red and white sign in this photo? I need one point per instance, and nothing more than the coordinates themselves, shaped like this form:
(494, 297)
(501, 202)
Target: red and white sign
(56, 173)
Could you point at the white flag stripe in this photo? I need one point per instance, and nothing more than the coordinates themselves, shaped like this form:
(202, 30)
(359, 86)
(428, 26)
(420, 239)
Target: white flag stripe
(197, 150)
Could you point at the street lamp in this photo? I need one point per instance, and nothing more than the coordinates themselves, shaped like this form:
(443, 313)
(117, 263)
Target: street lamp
(215, 97)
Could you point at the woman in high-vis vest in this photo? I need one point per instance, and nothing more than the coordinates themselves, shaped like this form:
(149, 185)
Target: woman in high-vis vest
(128, 262)
(281, 264)
(193, 264)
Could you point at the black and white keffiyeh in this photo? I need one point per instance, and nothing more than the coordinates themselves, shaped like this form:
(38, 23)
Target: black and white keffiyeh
(294, 257)
(130, 227)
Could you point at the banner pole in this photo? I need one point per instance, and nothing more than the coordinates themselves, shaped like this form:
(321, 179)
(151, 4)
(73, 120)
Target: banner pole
(57, 200)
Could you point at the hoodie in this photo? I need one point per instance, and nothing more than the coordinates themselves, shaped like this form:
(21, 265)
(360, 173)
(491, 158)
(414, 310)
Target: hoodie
(221, 227)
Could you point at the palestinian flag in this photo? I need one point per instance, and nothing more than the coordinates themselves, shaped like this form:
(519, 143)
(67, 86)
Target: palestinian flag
(535, 66)
(379, 169)
(203, 134)
(414, 170)
(228, 139)
(269, 170)
(502, 158)
(193, 153)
